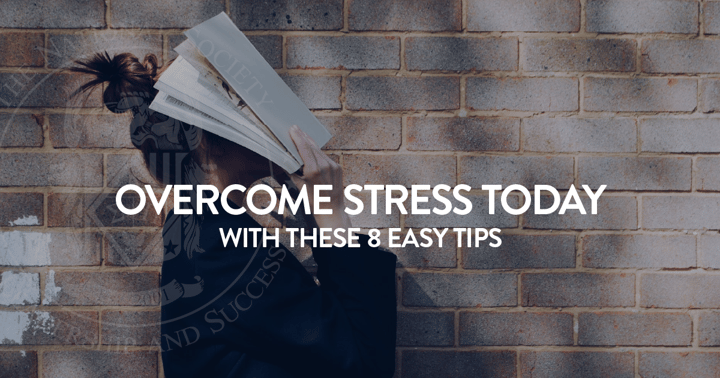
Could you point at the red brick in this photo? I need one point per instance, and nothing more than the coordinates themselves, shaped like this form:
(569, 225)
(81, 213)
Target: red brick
(106, 289)
(22, 49)
(709, 328)
(316, 92)
(425, 328)
(363, 133)
(130, 327)
(38, 90)
(578, 290)
(674, 290)
(51, 328)
(640, 94)
(162, 14)
(686, 56)
(678, 212)
(709, 95)
(458, 364)
(128, 169)
(133, 248)
(463, 134)
(639, 251)
(613, 213)
(591, 55)
(18, 364)
(516, 328)
(542, 364)
(98, 210)
(66, 14)
(630, 328)
(579, 135)
(679, 364)
(403, 93)
(478, 216)
(399, 170)
(42, 169)
(711, 13)
(523, 251)
(405, 15)
(528, 94)
(21, 130)
(21, 209)
(680, 135)
(345, 53)
(64, 49)
(528, 171)
(89, 131)
(459, 290)
(646, 16)
(517, 15)
(288, 15)
(636, 173)
(85, 363)
(461, 54)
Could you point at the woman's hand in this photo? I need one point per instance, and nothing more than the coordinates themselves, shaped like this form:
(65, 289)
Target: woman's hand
(319, 169)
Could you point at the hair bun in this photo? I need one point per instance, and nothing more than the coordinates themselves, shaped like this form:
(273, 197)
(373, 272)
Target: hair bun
(126, 77)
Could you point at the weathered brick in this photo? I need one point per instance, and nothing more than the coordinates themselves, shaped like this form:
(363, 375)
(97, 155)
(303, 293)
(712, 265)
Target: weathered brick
(578, 290)
(592, 55)
(515, 328)
(677, 212)
(345, 53)
(89, 131)
(639, 251)
(457, 364)
(19, 288)
(556, 171)
(405, 15)
(708, 251)
(64, 49)
(288, 15)
(478, 217)
(104, 289)
(316, 92)
(711, 13)
(579, 135)
(679, 364)
(461, 54)
(66, 14)
(544, 364)
(41, 169)
(680, 56)
(680, 135)
(21, 209)
(529, 94)
(98, 210)
(640, 94)
(709, 328)
(133, 248)
(523, 251)
(517, 15)
(403, 93)
(50, 248)
(49, 328)
(613, 213)
(269, 46)
(128, 169)
(18, 364)
(162, 14)
(363, 133)
(709, 95)
(21, 130)
(630, 328)
(38, 90)
(24, 49)
(675, 290)
(425, 328)
(90, 363)
(463, 134)
(645, 16)
(636, 173)
(433, 256)
(130, 327)
(459, 290)
(399, 169)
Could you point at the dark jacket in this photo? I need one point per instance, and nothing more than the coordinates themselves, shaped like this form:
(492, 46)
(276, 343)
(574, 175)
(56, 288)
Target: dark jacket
(257, 312)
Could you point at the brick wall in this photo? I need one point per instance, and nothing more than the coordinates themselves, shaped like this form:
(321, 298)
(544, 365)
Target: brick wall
(557, 92)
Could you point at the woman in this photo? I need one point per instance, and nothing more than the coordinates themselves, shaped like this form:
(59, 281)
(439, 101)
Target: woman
(251, 312)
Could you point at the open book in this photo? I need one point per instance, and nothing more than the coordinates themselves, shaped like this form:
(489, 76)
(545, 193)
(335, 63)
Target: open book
(222, 84)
